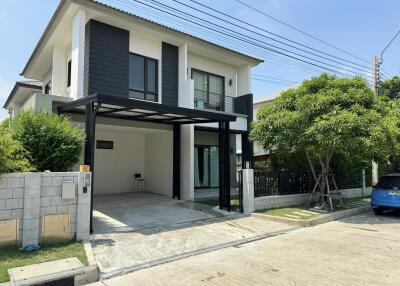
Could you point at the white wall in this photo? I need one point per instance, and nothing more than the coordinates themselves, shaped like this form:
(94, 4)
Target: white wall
(159, 163)
(114, 169)
(205, 64)
(148, 47)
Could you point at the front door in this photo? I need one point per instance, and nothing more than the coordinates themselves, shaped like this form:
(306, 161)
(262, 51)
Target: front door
(206, 166)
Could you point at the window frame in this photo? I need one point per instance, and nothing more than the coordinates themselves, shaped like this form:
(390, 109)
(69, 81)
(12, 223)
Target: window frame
(48, 88)
(69, 72)
(146, 91)
(208, 84)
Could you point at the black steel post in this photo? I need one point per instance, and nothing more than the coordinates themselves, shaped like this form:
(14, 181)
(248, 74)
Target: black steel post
(176, 173)
(224, 166)
(90, 129)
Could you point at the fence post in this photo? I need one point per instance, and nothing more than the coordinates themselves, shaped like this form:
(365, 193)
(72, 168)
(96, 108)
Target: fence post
(248, 191)
(363, 183)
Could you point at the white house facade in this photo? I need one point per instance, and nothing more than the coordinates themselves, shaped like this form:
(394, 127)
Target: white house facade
(156, 103)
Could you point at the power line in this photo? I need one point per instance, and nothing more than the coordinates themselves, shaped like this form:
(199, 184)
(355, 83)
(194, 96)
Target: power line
(391, 41)
(274, 78)
(300, 31)
(269, 32)
(270, 81)
(245, 38)
(272, 58)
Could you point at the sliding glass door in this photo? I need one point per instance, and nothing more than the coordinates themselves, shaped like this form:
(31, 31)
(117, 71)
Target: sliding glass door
(206, 171)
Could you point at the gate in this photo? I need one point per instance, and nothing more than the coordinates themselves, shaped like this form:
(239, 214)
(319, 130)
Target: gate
(239, 178)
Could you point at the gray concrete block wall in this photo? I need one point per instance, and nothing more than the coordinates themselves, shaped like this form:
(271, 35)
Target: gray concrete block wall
(12, 198)
(272, 202)
(30, 196)
(51, 201)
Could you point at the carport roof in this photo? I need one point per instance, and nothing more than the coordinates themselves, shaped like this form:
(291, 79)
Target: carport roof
(131, 109)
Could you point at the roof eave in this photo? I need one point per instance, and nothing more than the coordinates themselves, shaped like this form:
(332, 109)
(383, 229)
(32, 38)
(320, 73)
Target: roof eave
(64, 4)
(14, 91)
(49, 28)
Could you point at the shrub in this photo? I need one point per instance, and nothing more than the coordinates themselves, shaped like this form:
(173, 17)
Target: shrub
(13, 157)
(52, 141)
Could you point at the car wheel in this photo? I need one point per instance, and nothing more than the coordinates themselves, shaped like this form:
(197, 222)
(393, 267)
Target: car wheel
(378, 211)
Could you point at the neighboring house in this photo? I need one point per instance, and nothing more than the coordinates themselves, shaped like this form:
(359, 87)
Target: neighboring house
(153, 100)
(260, 155)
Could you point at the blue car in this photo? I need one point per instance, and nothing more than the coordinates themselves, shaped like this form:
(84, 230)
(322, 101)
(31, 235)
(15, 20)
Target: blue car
(386, 194)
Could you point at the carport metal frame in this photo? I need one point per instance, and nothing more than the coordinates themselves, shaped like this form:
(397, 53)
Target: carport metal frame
(108, 106)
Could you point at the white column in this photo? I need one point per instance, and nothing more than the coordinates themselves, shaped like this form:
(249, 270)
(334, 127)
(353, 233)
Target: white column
(186, 99)
(244, 80)
(375, 176)
(183, 97)
(77, 54)
(59, 71)
(83, 207)
(248, 191)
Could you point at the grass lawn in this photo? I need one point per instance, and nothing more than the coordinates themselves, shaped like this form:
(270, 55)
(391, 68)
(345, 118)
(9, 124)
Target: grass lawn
(304, 212)
(11, 256)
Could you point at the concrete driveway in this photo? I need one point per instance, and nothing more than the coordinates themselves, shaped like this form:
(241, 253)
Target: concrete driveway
(133, 231)
(361, 250)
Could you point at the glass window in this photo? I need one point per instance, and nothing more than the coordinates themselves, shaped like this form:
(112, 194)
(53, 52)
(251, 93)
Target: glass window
(151, 76)
(208, 90)
(206, 167)
(47, 88)
(143, 75)
(388, 182)
(136, 72)
(69, 74)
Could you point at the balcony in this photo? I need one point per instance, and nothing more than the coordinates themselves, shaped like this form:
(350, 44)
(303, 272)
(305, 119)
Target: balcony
(213, 101)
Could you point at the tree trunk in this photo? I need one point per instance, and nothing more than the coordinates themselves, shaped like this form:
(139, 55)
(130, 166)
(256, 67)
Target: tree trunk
(325, 170)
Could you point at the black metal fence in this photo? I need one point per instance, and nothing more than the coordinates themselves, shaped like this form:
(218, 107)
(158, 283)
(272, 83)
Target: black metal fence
(268, 183)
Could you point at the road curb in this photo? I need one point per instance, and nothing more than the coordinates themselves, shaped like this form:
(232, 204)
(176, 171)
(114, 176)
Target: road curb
(315, 221)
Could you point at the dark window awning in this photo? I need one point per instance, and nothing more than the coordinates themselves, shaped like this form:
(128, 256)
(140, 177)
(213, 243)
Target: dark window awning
(131, 109)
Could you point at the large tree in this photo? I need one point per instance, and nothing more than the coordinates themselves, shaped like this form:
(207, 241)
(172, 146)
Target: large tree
(327, 115)
(391, 88)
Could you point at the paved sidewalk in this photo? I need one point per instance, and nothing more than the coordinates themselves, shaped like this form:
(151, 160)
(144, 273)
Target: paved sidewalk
(360, 250)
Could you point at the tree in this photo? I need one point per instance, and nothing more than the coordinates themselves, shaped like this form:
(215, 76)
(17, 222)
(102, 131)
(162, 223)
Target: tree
(391, 88)
(12, 154)
(324, 116)
(52, 142)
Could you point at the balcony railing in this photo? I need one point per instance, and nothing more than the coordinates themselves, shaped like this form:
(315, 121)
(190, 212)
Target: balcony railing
(213, 101)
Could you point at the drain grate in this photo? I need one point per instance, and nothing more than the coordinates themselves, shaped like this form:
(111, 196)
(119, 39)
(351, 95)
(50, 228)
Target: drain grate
(69, 281)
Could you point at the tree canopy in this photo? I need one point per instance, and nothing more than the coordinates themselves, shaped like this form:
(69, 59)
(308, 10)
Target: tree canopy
(391, 88)
(327, 115)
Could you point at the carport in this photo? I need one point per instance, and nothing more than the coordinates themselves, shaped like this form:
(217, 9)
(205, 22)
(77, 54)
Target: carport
(100, 105)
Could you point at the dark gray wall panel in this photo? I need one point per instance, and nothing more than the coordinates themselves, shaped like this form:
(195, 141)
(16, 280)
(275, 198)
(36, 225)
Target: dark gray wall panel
(106, 60)
(169, 74)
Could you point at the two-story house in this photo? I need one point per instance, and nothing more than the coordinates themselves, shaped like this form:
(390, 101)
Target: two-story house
(153, 100)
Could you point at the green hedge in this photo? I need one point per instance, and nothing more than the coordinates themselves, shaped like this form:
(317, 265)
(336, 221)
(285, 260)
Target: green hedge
(51, 141)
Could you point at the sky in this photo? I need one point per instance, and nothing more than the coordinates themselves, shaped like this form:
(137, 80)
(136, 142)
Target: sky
(360, 27)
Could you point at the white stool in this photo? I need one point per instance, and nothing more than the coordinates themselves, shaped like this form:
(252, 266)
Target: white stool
(138, 183)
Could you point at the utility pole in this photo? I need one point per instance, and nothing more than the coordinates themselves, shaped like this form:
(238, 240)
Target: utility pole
(376, 75)
(376, 78)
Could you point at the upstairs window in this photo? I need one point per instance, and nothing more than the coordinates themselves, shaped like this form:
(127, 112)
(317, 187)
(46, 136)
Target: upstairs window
(208, 90)
(69, 74)
(47, 88)
(143, 78)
